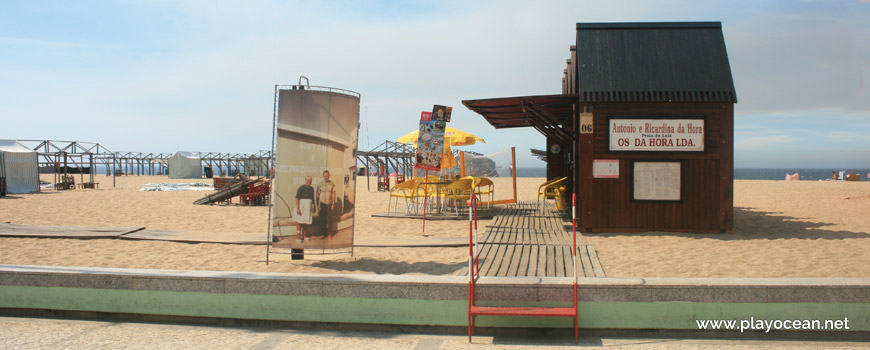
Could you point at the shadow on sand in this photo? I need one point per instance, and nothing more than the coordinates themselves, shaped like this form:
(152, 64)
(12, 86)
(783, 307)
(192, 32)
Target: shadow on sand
(12, 196)
(379, 266)
(750, 224)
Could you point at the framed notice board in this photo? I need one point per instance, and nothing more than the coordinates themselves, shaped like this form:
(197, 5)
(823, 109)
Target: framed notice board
(657, 181)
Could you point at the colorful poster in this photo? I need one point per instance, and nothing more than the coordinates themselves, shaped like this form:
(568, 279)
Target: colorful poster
(315, 177)
(430, 142)
(442, 113)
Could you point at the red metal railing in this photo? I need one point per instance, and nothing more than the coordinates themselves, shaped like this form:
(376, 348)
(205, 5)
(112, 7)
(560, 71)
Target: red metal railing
(474, 274)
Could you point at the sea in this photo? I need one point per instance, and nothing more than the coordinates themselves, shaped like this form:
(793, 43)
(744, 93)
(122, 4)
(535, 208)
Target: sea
(812, 174)
(531, 172)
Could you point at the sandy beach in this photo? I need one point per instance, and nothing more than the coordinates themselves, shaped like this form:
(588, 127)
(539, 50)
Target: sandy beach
(782, 229)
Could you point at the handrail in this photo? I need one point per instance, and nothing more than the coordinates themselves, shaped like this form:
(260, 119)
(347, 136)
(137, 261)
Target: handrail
(474, 274)
(320, 88)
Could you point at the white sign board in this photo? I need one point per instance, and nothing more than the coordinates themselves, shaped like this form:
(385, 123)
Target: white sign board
(657, 181)
(605, 168)
(657, 135)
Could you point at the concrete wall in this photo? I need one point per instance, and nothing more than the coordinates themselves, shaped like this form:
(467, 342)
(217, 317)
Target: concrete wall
(605, 303)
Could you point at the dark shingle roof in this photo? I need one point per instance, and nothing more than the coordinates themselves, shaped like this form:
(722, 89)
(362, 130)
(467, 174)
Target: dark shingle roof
(653, 62)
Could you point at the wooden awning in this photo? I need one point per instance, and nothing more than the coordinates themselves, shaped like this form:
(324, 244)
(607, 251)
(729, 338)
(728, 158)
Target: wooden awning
(549, 114)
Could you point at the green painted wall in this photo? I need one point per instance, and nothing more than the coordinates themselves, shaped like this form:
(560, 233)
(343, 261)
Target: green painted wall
(618, 315)
(682, 315)
(243, 306)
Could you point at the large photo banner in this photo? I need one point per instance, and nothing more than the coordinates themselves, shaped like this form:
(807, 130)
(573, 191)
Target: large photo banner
(315, 177)
(430, 142)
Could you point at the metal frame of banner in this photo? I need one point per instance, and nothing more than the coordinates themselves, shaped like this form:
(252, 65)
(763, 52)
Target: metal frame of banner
(295, 251)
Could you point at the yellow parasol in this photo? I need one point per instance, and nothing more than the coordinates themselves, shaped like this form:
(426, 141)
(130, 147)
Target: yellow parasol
(452, 137)
(447, 160)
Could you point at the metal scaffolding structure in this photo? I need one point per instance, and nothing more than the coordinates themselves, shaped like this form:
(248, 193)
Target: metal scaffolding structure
(391, 156)
(386, 157)
(257, 164)
(77, 157)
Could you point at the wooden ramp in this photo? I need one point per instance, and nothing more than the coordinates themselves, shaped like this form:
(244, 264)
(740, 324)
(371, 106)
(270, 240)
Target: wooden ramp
(526, 241)
(82, 232)
(250, 238)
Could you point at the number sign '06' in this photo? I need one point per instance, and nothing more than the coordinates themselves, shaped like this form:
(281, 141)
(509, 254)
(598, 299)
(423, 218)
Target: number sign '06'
(585, 123)
(657, 135)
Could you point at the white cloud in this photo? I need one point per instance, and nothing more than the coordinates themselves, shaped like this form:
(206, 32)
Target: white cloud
(208, 87)
(845, 136)
(795, 62)
(763, 142)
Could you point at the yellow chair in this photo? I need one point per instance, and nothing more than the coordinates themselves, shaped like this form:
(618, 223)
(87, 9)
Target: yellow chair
(556, 193)
(548, 183)
(554, 189)
(484, 186)
(473, 180)
(458, 191)
(409, 191)
(431, 179)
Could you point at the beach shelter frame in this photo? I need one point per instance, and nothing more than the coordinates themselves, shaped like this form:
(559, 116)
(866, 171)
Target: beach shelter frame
(68, 157)
(51, 155)
(389, 155)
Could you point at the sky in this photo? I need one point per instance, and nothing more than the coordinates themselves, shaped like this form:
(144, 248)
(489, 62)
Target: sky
(163, 76)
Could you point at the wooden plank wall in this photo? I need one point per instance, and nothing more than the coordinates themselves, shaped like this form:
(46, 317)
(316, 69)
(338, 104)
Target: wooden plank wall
(707, 177)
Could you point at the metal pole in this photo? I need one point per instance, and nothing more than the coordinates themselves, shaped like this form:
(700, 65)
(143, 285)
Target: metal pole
(81, 166)
(514, 170)
(574, 234)
(272, 187)
(91, 156)
(425, 198)
(64, 166)
(368, 170)
(462, 164)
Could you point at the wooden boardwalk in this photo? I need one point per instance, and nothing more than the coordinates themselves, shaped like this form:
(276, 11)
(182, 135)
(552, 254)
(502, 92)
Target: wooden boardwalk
(526, 241)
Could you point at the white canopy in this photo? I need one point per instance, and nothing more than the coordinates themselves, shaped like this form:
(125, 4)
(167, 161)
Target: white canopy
(18, 164)
(185, 165)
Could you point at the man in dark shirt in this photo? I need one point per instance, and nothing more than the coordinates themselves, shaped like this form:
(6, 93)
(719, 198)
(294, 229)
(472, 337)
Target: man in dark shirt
(304, 206)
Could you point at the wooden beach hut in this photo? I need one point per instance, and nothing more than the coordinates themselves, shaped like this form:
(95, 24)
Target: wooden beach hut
(643, 128)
